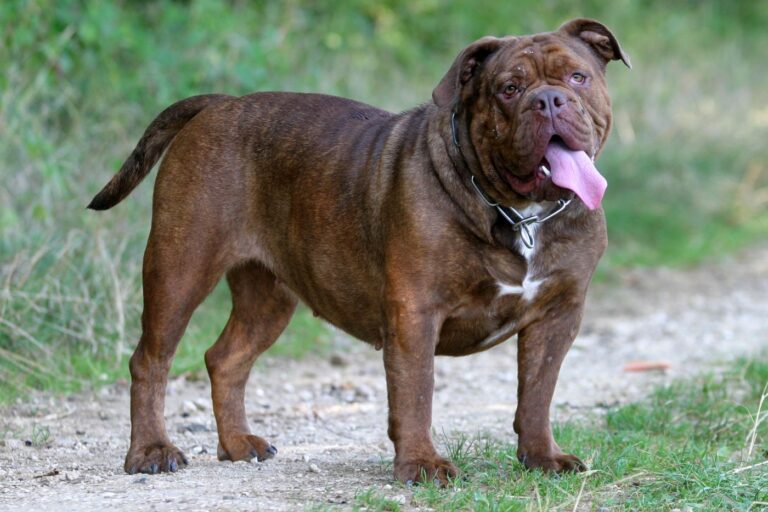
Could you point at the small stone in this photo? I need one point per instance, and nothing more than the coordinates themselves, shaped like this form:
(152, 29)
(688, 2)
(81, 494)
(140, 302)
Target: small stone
(13, 444)
(193, 428)
(103, 416)
(306, 395)
(364, 392)
(27, 443)
(202, 404)
(188, 408)
(80, 432)
(338, 360)
(197, 450)
(305, 458)
(288, 387)
(401, 499)
(71, 476)
(313, 468)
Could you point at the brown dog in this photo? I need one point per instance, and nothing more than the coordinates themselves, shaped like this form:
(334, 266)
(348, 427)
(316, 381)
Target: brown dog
(388, 226)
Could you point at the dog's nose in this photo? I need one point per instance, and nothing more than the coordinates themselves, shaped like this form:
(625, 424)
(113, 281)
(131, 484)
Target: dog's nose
(549, 102)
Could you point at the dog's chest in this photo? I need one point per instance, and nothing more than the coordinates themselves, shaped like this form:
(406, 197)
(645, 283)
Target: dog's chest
(509, 285)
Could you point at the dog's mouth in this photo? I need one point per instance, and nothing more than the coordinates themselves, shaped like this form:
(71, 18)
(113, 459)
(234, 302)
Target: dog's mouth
(566, 168)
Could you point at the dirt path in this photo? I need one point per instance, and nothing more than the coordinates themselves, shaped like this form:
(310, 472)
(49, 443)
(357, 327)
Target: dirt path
(328, 418)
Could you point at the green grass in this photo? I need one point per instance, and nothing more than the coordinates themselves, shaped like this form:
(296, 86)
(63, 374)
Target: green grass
(699, 443)
(686, 163)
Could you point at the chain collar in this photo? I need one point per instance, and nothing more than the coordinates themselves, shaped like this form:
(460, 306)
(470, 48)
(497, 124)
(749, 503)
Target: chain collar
(517, 220)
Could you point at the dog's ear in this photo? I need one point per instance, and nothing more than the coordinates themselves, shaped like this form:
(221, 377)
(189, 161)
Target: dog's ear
(598, 37)
(464, 68)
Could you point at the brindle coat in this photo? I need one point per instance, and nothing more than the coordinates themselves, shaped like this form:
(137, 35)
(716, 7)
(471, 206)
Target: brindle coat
(371, 219)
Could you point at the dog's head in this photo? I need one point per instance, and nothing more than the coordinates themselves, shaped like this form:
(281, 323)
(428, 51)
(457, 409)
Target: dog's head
(535, 110)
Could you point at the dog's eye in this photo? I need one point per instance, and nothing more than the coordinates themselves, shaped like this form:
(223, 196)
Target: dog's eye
(510, 90)
(578, 78)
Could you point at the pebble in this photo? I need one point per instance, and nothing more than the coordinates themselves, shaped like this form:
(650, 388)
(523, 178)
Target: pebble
(71, 476)
(194, 428)
(188, 408)
(314, 469)
(338, 361)
(13, 444)
(67, 442)
(364, 392)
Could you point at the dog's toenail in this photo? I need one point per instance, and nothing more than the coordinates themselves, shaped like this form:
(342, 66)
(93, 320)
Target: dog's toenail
(173, 465)
(271, 449)
(154, 468)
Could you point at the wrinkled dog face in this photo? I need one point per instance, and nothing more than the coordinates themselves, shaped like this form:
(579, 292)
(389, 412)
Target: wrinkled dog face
(536, 110)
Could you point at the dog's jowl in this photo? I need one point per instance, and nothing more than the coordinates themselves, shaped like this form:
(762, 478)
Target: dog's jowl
(446, 229)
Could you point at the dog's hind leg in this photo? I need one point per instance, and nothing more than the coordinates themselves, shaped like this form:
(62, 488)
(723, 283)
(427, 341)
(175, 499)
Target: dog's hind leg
(178, 275)
(261, 308)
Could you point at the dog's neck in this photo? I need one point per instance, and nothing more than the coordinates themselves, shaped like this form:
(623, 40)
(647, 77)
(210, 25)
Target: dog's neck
(522, 221)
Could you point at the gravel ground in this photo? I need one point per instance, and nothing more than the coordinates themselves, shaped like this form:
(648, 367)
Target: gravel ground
(328, 417)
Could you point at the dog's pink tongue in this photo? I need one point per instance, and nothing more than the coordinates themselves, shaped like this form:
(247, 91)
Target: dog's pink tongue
(575, 171)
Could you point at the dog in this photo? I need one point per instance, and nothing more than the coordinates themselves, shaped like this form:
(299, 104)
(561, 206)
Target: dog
(443, 230)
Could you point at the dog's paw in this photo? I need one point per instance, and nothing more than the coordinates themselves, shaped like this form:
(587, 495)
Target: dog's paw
(555, 463)
(156, 458)
(438, 470)
(245, 447)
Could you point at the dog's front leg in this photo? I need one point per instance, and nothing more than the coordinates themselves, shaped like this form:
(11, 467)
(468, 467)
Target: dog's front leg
(541, 349)
(409, 353)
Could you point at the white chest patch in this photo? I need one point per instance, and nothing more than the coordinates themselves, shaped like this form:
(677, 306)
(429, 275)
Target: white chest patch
(530, 286)
(527, 289)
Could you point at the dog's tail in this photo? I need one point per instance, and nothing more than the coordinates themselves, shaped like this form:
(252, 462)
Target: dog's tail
(156, 138)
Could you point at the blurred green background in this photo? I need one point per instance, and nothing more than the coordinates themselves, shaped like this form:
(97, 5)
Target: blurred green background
(686, 163)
